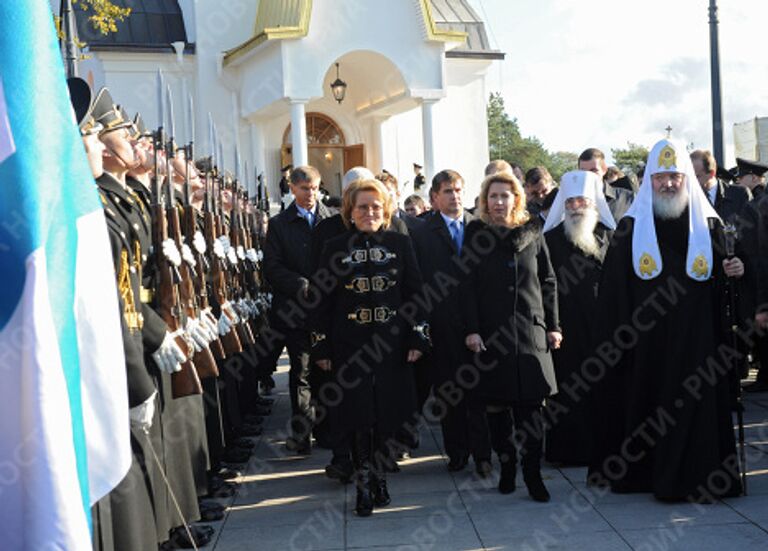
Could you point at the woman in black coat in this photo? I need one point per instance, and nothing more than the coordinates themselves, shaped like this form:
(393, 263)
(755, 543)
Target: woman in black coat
(367, 333)
(511, 316)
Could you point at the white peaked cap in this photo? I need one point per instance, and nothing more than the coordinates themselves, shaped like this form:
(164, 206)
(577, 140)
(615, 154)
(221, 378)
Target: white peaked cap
(354, 174)
(579, 183)
(671, 156)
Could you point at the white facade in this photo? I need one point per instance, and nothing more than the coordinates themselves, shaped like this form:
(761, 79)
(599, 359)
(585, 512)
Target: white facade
(408, 99)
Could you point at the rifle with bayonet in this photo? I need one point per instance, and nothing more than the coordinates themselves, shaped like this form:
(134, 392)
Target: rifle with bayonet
(186, 381)
(196, 242)
(218, 287)
(237, 272)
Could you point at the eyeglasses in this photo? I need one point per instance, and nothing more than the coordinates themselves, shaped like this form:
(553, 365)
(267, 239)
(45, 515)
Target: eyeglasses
(362, 209)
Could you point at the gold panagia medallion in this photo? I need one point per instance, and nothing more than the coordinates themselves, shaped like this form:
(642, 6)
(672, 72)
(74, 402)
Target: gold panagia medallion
(647, 265)
(700, 267)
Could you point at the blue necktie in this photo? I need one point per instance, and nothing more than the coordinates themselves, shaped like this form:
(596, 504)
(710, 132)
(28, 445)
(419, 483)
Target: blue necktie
(456, 235)
(310, 218)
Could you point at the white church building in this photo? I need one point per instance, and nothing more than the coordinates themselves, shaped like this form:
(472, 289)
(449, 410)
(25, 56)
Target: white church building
(414, 72)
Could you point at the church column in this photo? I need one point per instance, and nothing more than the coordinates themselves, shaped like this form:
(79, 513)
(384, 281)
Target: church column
(258, 149)
(378, 143)
(299, 132)
(428, 131)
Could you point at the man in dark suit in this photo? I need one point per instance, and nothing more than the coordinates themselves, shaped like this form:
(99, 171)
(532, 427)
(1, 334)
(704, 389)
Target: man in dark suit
(728, 200)
(438, 242)
(619, 199)
(287, 269)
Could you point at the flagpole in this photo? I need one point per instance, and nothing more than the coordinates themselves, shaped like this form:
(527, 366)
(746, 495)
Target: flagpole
(717, 96)
(69, 31)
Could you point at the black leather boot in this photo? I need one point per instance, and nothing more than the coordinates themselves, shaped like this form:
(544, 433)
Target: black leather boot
(535, 485)
(500, 427)
(532, 451)
(507, 478)
(362, 449)
(379, 489)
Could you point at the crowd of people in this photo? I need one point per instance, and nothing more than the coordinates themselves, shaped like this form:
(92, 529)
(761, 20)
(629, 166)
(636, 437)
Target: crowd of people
(597, 321)
(604, 320)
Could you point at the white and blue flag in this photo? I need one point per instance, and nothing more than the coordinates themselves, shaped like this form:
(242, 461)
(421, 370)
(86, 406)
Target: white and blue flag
(64, 427)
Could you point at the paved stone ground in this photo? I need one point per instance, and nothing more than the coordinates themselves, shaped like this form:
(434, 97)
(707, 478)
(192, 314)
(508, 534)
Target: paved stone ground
(287, 503)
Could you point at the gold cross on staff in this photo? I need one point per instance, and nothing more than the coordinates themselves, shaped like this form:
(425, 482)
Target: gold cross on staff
(669, 131)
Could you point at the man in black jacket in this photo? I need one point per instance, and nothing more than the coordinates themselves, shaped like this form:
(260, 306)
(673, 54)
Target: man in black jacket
(287, 268)
(619, 199)
(438, 242)
(728, 200)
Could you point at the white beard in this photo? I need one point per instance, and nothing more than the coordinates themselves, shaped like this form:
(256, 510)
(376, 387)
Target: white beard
(670, 207)
(579, 229)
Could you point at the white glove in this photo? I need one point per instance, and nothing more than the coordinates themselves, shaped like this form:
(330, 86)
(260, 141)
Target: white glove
(229, 310)
(171, 252)
(243, 309)
(218, 249)
(232, 256)
(141, 416)
(225, 243)
(197, 333)
(198, 241)
(240, 252)
(208, 323)
(251, 255)
(260, 255)
(169, 356)
(186, 254)
(225, 324)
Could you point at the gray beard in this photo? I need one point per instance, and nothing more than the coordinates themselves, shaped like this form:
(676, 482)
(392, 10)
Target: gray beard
(580, 230)
(670, 208)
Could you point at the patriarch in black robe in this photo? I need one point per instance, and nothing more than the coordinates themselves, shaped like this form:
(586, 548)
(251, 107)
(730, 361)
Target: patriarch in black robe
(662, 360)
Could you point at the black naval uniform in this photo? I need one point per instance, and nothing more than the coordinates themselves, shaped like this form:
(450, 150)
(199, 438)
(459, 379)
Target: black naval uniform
(181, 443)
(133, 525)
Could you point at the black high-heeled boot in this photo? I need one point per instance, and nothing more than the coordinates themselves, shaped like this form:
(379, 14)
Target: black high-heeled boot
(500, 428)
(361, 454)
(381, 497)
(507, 482)
(535, 485)
(531, 451)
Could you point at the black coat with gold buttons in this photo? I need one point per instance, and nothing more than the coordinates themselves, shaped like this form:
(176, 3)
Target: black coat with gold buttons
(368, 317)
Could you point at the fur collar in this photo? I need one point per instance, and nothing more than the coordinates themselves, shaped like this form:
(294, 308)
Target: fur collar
(514, 239)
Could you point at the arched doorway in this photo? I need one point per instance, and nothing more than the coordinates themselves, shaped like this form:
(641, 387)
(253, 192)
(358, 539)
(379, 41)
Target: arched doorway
(328, 151)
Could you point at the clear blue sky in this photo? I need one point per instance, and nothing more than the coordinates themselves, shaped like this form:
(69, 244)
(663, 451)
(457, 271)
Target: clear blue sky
(583, 73)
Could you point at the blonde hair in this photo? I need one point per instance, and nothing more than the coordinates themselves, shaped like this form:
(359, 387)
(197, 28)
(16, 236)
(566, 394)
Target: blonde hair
(350, 198)
(499, 165)
(519, 214)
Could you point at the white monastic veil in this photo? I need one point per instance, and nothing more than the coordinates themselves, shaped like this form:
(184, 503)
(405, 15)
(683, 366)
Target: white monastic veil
(671, 156)
(579, 183)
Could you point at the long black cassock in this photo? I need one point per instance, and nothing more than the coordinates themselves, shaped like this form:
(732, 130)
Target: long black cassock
(570, 432)
(664, 423)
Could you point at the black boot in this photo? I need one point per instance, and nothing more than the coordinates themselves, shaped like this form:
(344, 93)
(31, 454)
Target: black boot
(364, 501)
(535, 485)
(531, 451)
(500, 427)
(379, 489)
(507, 478)
(362, 449)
